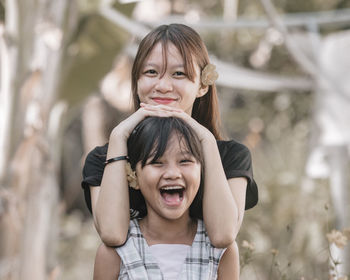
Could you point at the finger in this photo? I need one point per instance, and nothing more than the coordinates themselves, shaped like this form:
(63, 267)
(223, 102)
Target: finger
(156, 113)
(167, 113)
(161, 107)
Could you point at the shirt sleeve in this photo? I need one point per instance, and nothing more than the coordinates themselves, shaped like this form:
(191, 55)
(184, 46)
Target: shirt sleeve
(93, 171)
(237, 162)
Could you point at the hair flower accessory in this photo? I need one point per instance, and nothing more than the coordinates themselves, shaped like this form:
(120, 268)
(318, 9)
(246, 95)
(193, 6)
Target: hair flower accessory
(131, 176)
(209, 75)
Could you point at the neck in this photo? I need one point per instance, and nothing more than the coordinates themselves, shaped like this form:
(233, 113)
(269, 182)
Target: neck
(162, 231)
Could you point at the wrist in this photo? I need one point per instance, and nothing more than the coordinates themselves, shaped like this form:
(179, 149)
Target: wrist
(118, 135)
(208, 139)
(114, 159)
(117, 144)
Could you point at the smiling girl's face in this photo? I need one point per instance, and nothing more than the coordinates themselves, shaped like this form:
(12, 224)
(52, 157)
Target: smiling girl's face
(170, 183)
(170, 86)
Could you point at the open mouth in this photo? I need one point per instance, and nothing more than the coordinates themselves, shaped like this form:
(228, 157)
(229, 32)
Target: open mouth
(172, 195)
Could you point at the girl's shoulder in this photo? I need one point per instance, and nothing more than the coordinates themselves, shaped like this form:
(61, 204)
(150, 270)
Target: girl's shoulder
(98, 152)
(134, 228)
(231, 146)
(234, 155)
(94, 166)
(237, 162)
(95, 159)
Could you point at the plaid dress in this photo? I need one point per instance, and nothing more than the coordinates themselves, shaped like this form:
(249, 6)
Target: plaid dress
(138, 263)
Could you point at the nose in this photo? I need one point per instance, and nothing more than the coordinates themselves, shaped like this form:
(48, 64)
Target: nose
(164, 84)
(172, 171)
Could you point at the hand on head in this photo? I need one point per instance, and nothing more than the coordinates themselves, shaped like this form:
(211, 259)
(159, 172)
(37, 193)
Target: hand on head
(167, 111)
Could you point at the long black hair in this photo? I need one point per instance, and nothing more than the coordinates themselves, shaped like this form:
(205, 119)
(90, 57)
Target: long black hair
(149, 140)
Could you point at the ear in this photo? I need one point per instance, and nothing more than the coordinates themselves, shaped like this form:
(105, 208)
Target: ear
(202, 91)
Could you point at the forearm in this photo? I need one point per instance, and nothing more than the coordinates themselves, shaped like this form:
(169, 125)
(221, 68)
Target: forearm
(112, 208)
(220, 210)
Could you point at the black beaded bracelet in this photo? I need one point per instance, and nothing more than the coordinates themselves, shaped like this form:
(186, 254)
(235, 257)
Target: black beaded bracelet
(116, 159)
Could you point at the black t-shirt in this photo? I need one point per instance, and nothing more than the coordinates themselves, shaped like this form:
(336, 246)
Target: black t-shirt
(235, 158)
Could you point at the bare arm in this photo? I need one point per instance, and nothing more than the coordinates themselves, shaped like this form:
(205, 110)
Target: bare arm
(112, 206)
(238, 188)
(111, 213)
(229, 264)
(107, 264)
(223, 200)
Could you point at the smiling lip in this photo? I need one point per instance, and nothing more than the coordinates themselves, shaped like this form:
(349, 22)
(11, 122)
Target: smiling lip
(163, 100)
(171, 197)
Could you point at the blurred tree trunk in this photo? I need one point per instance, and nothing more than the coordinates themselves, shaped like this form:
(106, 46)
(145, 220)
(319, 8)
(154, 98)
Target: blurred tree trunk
(339, 164)
(332, 118)
(230, 9)
(31, 55)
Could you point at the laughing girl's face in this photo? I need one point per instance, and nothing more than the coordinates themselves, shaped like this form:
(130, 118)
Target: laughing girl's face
(170, 184)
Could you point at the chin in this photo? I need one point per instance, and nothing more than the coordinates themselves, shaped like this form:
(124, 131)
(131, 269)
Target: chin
(175, 215)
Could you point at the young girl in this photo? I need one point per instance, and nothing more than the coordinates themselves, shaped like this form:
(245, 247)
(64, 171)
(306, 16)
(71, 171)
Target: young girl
(169, 240)
(172, 76)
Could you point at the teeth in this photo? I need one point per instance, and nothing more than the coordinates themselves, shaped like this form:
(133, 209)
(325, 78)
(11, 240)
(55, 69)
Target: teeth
(172, 188)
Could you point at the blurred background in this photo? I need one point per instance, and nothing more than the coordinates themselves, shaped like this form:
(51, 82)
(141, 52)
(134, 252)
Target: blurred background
(283, 89)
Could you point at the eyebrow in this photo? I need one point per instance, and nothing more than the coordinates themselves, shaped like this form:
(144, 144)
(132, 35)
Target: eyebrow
(186, 153)
(150, 64)
(173, 66)
(178, 66)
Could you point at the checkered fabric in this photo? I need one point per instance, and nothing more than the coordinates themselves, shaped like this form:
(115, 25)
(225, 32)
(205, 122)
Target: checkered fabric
(138, 263)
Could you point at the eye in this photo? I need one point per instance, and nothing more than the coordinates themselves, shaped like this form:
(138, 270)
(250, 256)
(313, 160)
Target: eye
(179, 74)
(187, 160)
(157, 162)
(150, 72)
